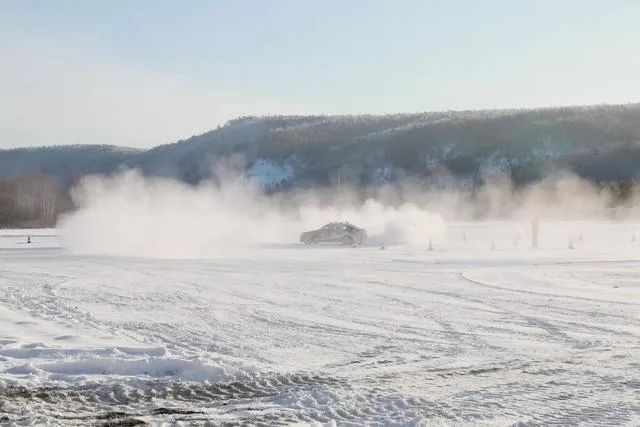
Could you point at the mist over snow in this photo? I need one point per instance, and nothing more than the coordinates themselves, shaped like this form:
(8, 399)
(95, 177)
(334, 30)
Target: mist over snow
(131, 215)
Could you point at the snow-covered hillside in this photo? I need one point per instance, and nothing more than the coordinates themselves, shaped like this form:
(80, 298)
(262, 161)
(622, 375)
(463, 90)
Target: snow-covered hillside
(480, 330)
(425, 147)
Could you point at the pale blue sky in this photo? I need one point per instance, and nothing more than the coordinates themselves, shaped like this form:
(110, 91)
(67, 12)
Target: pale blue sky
(147, 72)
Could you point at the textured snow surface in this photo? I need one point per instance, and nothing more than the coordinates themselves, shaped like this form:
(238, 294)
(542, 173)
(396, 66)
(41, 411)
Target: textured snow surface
(481, 330)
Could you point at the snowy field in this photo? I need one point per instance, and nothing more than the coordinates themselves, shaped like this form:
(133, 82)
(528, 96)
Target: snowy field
(481, 330)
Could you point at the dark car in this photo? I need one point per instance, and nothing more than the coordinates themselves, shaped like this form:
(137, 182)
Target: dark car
(335, 232)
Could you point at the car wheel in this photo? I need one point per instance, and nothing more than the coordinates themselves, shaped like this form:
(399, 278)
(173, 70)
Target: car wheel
(348, 240)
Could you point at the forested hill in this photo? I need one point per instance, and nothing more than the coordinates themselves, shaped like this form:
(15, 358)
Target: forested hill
(461, 148)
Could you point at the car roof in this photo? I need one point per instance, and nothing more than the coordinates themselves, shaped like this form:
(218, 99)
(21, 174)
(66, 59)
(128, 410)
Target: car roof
(333, 224)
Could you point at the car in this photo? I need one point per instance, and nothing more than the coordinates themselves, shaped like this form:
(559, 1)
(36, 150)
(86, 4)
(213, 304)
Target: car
(335, 232)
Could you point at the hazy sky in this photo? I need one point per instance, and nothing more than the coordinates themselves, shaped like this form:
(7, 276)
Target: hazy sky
(146, 72)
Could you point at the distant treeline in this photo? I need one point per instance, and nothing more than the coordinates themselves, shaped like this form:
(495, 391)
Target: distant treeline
(32, 201)
(597, 143)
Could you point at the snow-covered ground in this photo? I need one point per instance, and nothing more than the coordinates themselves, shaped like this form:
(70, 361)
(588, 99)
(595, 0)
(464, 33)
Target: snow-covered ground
(481, 330)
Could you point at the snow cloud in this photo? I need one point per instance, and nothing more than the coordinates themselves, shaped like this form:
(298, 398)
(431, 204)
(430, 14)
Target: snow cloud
(130, 215)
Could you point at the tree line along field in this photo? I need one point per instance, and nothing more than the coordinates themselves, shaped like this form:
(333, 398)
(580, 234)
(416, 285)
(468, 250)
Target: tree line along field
(33, 201)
